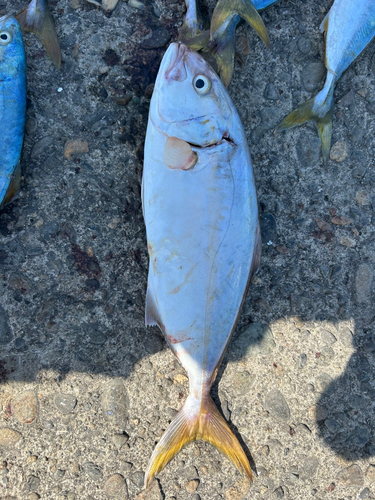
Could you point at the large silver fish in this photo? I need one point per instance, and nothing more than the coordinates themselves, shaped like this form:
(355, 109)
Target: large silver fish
(201, 215)
(349, 27)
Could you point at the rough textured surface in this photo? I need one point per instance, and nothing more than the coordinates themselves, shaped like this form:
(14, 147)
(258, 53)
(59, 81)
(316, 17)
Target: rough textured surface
(73, 263)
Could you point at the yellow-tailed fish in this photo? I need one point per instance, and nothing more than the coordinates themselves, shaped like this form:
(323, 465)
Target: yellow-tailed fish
(220, 40)
(201, 215)
(349, 27)
(37, 19)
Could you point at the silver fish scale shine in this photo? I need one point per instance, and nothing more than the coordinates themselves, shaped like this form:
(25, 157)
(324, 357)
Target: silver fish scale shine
(201, 216)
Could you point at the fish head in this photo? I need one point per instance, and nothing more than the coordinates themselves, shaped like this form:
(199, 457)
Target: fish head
(12, 52)
(189, 100)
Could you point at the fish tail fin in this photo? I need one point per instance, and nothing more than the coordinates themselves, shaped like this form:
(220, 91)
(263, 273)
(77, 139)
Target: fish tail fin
(225, 10)
(195, 422)
(36, 18)
(14, 187)
(318, 109)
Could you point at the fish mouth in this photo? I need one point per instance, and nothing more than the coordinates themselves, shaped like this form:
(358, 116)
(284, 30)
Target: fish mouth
(226, 139)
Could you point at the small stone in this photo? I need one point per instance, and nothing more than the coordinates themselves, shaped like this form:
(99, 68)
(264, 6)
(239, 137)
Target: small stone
(75, 147)
(277, 406)
(181, 379)
(279, 492)
(242, 383)
(111, 58)
(9, 437)
(327, 337)
(339, 151)
(347, 242)
(191, 486)
(115, 486)
(136, 4)
(30, 496)
(153, 492)
(239, 490)
(270, 92)
(323, 382)
(65, 403)
(340, 220)
(308, 468)
(362, 198)
(137, 478)
(120, 439)
(24, 407)
(359, 436)
(304, 45)
(32, 483)
(92, 470)
(312, 74)
(115, 403)
(364, 494)
(158, 39)
(363, 283)
(351, 476)
(318, 413)
(265, 450)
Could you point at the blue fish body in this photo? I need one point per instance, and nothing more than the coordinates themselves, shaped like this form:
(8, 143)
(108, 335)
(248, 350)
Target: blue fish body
(12, 107)
(262, 4)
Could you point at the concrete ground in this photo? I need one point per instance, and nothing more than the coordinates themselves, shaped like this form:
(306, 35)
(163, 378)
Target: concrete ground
(86, 391)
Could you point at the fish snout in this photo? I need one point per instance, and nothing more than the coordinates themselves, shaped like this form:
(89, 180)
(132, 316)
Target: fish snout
(176, 68)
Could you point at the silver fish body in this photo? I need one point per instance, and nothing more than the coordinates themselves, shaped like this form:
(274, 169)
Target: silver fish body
(200, 210)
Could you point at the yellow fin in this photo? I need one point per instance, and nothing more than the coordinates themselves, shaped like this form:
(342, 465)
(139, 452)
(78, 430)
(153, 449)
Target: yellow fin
(188, 426)
(197, 42)
(227, 9)
(325, 132)
(13, 188)
(224, 56)
(37, 19)
(178, 154)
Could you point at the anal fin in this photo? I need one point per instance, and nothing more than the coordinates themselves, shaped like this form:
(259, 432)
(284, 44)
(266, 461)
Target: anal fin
(152, 316)
(13, 188)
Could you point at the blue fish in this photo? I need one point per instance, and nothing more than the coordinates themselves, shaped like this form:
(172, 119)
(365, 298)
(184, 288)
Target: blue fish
(35, 18)
(220, 40)
(349, 27)
(12, 106)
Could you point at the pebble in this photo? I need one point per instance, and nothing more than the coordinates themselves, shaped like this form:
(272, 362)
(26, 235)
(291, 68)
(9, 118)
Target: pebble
(242, 383)
(276, 404)
(304, 45)
(181, 379)
(308, 468)
(137, 478)
(9, 437)
(65, 403)
(339, 151)
(6, 334)
(363, 283)
(347, 242)
(270, 92)
(279, 492)
(362, 198)
(340, 220)
(92, 470)
(115, 403)
(120, 439)
(31, 496)
(75, 147)
(32, 483)
(346, 336)
(257, 339)
(312, 74)
(157, 40)
(115, 486)
(351, 476)
(153, 492)
(327, 337)
(239, 490)
(323, 382)
(136, 4)
(364, 494)
(24, 407)
(191, 486)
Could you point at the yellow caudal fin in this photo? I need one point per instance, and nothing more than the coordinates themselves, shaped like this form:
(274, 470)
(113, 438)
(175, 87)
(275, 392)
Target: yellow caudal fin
(37, 19)
(193, 423)
(318, 109)
(226, 10)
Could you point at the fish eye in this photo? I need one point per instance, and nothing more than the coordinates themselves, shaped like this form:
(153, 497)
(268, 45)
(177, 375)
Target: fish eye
(202, 84)
(5, 37)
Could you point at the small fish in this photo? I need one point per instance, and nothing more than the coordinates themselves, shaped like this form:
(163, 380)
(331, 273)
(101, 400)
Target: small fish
(37, 19)
(349, 27)
(200, 209)
(220, 40)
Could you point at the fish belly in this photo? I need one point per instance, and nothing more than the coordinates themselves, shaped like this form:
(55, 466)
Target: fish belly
(351, 26)
(12, 113)
(201, 231)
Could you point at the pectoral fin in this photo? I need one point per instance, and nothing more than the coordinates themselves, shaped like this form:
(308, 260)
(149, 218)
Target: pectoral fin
(14, 187)
(37, 19)
(178, 154)
(152, 317)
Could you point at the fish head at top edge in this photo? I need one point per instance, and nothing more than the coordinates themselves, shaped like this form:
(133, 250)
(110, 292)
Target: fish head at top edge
(189, 100)
(12, 53)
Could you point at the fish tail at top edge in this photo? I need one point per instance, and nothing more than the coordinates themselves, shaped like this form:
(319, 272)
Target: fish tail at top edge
(36, 18)
(318, 109)
(193, 423)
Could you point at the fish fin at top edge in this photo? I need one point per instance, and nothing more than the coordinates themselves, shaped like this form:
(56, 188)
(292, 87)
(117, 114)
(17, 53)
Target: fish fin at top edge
(244, 8)
(152, 317)
(309, 112)
(188, 426)
(39, 21)
(13, 188)
(324, 26)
